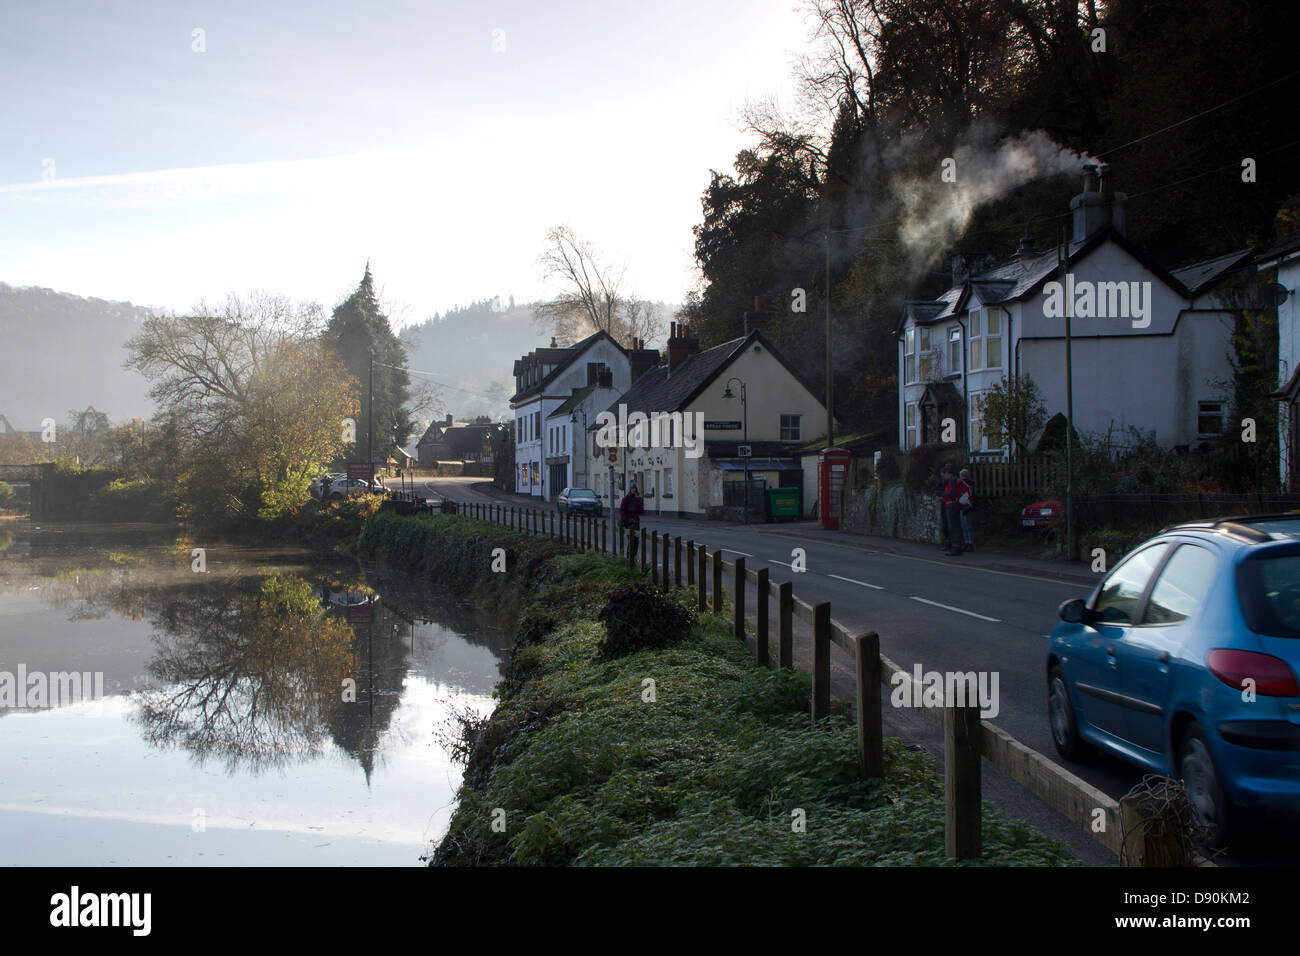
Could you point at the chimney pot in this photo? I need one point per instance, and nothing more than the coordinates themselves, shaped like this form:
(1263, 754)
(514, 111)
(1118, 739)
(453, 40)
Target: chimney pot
(673, 333)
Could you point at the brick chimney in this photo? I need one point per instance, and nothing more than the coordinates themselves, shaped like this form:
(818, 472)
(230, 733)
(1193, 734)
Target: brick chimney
(680, 345)
(754, 320)
(641, 359)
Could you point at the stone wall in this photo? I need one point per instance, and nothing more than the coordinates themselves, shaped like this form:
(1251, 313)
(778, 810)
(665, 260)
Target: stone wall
(892, 511)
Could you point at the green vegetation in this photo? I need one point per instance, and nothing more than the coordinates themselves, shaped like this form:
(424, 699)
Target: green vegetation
(593, 768)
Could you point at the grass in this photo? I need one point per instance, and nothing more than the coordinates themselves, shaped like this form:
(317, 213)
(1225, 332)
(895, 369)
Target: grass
(685, 755)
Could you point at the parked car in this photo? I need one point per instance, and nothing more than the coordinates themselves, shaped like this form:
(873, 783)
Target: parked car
(320, 487)
(1042, 515)
(579, 501)
(1183, 660)
(345, 487)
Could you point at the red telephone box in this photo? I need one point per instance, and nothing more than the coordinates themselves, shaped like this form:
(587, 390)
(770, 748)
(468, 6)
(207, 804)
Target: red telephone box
(832, 473)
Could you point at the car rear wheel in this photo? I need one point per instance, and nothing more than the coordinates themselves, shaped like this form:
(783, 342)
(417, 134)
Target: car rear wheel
(1203, 785)
(1065, 730)
(336, 496)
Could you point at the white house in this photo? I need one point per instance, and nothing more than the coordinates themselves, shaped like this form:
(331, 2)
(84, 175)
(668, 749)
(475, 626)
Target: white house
(699, 406)
(547, 378)
(1149, 347)
(566, 428)
(1282, 264)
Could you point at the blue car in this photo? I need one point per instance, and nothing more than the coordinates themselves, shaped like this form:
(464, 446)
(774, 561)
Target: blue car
(1183, 660)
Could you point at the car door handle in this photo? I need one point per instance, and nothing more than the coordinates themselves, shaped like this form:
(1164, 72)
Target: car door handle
(1110, 651)
(1164, 657)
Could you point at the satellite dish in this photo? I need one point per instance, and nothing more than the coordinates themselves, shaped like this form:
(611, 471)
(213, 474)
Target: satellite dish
(1269, 295)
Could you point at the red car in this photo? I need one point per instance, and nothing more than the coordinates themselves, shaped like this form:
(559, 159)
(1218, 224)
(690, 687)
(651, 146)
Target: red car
(1040, 515)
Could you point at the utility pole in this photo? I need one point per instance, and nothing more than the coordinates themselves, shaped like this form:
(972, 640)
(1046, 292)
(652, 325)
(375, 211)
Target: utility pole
(1063, 259)
(370, 421)
(830, 385)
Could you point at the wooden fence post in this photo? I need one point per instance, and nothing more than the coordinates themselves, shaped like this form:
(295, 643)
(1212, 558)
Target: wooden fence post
(738, 600)
(664, 579)
(761, 596)
(701, 590)
(871, 745)
(677, 561)
(717, 582)
(1150, 840)
(962, 749)
(785, 625)
(821, 690)
(642, 535)
(654, 557)
(690, 563)
(604, 535)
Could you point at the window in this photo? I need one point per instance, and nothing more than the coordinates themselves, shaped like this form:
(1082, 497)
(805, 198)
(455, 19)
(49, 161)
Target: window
(593, 372)
(791, 427)
(1210, 418)
(909, 426)
(909, 356)
(1117, 602)
(954, 350)
(1184, 581)
(668, 482)
(924, 356)
(993, 339)
(978, 440)
(976, 342)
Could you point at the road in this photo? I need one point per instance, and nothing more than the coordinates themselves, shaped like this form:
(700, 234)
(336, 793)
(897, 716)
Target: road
(942, 613)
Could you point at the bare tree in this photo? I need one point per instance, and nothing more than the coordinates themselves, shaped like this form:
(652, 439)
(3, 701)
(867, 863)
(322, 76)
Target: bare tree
(591, 299)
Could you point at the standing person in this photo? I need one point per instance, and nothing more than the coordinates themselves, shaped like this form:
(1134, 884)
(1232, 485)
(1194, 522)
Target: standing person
(966, 503)
(629, 516)
(943, 491)
(951, 516)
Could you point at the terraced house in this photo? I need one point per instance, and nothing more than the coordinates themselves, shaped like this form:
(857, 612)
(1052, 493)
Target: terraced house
(1150, 347)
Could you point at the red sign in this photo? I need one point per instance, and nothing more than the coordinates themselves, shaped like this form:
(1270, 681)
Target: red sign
(362, 470)
(613, 455)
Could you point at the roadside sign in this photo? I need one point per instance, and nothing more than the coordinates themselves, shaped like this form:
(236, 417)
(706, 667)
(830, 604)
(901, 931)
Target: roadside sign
(745, 451)
(613, 455)
(361, 469)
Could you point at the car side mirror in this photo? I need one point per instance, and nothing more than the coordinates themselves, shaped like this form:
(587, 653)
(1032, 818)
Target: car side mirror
(1074, 611)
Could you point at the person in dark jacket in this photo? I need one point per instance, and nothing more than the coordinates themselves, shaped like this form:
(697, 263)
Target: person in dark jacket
(950, 511)
(629, 516)
(965, 505)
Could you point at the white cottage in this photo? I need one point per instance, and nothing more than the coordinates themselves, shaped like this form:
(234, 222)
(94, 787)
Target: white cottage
(1149, 347)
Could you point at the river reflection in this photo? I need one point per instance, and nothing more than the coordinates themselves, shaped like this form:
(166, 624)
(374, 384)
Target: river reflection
(267, 710)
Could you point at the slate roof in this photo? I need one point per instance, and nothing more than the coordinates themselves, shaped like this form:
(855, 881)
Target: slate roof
(1284, 246)
(572, 402)
(564, 358)
(659, 391)
(1201, 275)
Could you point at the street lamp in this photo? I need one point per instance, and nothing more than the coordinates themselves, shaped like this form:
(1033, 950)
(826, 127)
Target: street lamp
(744, 406)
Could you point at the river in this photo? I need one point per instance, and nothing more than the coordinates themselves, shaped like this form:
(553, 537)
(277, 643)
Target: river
(258, 707)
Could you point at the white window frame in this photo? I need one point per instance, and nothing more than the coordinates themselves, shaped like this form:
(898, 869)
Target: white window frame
(954, 350)
(1201, 413)
(797, 428)
(924, 354)
(909, 356)
(976, 439)
(992, 342)
(975, 338)
(911, 415)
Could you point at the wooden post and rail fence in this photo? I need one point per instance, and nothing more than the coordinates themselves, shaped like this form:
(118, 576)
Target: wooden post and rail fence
(967, 738)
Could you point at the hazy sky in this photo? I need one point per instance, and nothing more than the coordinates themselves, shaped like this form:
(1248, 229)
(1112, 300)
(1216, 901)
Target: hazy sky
(440, 140)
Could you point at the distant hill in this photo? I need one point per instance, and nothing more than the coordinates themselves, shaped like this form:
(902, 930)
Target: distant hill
(473, 348)
(60, 352)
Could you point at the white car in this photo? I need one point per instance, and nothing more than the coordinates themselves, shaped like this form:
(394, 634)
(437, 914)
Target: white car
(345, 487)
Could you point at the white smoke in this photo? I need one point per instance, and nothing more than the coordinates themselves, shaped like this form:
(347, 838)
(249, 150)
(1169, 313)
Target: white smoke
(935, 212)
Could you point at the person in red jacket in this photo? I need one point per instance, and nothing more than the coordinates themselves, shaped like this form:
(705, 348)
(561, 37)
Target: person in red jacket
(629, 516)
(950, 511)
(966, 504)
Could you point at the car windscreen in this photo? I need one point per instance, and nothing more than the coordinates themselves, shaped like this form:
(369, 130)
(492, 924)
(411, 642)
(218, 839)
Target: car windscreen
(582, 493)
(1268, 588)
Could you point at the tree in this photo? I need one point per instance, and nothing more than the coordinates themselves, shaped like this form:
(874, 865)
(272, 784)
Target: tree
(1013, 412)
(591, 299)
(357, 329)
(251, 404)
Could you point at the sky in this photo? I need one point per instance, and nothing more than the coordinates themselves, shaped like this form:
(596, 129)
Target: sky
(170, 152)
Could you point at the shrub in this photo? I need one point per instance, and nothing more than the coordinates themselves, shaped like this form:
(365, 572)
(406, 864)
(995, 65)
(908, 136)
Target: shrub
(637, 617)
(924, 462)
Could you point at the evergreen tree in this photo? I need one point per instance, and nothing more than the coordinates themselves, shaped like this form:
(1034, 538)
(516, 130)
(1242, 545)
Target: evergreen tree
(357, 328)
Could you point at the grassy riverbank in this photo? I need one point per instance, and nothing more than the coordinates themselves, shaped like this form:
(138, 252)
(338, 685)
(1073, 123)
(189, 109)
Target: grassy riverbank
(684, 754)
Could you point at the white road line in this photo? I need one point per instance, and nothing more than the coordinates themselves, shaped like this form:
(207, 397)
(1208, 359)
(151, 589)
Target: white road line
(775, 561)
(744, 554)
(949, 607)
(856, 581)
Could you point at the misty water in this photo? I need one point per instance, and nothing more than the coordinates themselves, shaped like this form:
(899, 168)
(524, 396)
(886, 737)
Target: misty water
(270, 709)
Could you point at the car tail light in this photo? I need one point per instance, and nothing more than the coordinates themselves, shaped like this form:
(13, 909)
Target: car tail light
(1271, 675)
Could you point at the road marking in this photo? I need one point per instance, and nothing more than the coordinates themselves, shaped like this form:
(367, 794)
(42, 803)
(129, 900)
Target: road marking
(775, 561)
(743, 554)
(949, 607)
(856, 581)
